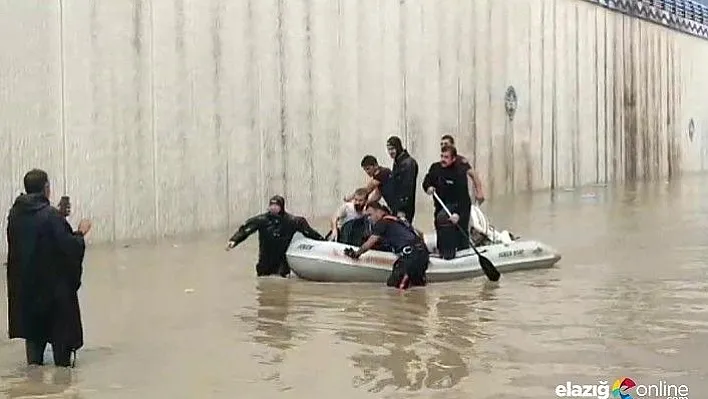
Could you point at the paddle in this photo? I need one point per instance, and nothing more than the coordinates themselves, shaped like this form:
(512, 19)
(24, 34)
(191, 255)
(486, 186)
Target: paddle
(487, 266)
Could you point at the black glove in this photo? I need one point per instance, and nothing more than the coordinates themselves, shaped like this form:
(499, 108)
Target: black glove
(350, 252)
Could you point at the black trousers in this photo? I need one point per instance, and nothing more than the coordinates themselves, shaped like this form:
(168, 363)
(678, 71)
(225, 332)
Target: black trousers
(35, 353)
(412, 265)
(268, 265)
(450, 238)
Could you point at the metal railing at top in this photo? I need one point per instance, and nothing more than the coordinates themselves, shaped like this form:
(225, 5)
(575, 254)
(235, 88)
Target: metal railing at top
(683, 15)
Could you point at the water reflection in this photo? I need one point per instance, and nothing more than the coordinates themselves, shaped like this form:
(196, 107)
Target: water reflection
(272, 327)
(45, 382)
(420, 339)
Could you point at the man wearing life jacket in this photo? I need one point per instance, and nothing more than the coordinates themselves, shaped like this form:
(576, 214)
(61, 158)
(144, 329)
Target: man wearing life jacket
(413, 256)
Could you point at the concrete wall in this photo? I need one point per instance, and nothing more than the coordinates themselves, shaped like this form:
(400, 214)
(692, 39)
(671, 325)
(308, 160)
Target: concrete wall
(162, 117)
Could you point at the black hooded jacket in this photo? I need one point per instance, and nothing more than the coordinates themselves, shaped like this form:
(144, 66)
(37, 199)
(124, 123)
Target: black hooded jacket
(275, 232)
(44, 268)
(405, 175)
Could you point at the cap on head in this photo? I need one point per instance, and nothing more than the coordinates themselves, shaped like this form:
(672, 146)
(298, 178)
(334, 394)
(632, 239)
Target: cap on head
(277, 200)
(36, 181)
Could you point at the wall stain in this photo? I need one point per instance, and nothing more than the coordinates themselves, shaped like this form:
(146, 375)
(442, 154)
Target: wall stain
(542, 28)
(674, 149)
(137, 42)
(402, 57)
(221, 145)
(309, 152)
(608, 86)
(95, 71)
(490, 100)
(630, 106)
(575, 167)
(528, 163)
(282, 73)
(617, 66)
(258, 179)
(182, 103)
(336, 133)
(658, 85)
(596, 76)
(554, 102)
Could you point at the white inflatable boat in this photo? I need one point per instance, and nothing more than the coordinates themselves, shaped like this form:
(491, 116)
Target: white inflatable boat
(325, 261)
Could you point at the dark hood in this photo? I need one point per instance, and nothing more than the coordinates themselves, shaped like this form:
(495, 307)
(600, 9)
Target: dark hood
(30, 203)
(395, 143)
(278, 200)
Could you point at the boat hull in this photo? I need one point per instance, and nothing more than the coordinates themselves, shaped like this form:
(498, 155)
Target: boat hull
(325, 261)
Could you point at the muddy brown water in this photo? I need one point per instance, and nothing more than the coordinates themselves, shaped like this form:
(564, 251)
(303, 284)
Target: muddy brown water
(628, 299)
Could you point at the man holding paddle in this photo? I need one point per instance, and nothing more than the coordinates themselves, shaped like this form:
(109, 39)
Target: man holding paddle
(448, 178)
(446, 181)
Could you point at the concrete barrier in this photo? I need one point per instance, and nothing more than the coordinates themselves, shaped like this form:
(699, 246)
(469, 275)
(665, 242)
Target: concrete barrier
(167, 117)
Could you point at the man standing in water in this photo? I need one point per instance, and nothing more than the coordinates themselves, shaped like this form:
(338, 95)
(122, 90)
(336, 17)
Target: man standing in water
(276, 229)
(478, 191)
(405, 175)
(44, 267)
(413, 256)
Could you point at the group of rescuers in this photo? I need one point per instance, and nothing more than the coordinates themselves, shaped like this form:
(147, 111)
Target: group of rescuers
(362, 221)
(45, 255)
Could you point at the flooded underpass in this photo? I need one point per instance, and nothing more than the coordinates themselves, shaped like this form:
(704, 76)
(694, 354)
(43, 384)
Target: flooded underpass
(185, 319)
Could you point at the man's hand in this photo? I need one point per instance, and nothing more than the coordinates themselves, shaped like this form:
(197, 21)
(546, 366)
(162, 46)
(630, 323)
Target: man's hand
(230, 245)
(454, 218)
(350, 252)
(430, 190)
(84, 226)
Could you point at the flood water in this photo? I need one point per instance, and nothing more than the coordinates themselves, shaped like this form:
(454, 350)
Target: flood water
(628, 299)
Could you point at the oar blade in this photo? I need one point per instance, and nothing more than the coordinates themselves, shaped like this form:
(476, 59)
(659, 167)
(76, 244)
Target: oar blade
(489, 270)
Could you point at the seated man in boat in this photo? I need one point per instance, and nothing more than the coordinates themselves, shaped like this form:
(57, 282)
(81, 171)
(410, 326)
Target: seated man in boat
(350, 224)
(413, 257)
(276, 229)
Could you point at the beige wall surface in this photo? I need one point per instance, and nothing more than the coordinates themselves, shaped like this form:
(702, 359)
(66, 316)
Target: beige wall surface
(164, 117)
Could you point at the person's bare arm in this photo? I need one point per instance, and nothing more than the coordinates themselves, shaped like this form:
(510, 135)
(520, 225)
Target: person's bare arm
(370, 186)
(477, 184)
(370, 243)
(375, 195)
(340, 213)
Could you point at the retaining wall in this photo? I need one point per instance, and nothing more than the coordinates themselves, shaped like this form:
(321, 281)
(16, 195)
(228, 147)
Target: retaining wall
(166, 117)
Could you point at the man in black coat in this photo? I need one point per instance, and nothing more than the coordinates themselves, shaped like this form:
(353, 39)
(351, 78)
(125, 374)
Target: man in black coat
(405, 175)
(44, 267)
(448, 178)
